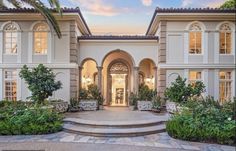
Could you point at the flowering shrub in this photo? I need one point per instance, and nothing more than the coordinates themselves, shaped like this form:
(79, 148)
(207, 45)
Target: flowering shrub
(24, 118)
(205, 120)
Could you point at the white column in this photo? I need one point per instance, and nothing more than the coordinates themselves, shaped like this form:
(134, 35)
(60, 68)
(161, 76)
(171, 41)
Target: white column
(155, 77)
(1, 84)
(186, 47)
(1, 46)
(205, 80)
(205, 47)
(18, 85)
(233, 83)
(30, 47)
(100, 78)
(50, 47)
(216, 48)
(19, 47)
(186, 72)
(136, 79)
(216, 84)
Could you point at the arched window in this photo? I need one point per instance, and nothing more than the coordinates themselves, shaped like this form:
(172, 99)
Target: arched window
(225, 39)
(195, 39)
(10, 39)
(40, 38)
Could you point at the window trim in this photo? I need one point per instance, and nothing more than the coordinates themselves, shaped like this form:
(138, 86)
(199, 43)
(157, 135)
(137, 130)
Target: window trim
(4, 84)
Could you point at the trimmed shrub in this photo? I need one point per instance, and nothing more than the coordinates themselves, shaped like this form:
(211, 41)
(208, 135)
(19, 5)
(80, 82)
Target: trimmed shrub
(17, 118)
(205, 120)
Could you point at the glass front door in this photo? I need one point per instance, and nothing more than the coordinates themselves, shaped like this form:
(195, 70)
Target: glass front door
(118, 89)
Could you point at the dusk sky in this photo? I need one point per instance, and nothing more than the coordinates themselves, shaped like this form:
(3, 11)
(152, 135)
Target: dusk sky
(127, 17)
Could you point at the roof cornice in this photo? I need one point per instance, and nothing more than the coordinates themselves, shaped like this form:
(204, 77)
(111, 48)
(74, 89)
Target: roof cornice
(117, 37)
(189, 14)
(68, 14)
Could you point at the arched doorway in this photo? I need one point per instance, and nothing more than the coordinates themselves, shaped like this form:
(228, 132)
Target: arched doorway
(118, 75)
(112, 64)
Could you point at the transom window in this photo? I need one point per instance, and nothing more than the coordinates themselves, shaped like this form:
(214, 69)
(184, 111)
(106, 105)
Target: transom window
(225, 39)
(225, 85)
(195, 39)
(10, 39)
(10, 85)
(40, 39)
(195, 76)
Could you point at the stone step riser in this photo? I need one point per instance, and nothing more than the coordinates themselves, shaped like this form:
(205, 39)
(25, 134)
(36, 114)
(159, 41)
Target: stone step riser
(115, 126)
(115, 134)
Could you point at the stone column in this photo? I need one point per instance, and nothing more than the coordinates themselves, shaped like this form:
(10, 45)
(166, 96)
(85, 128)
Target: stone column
(100, 78)
(136, 79)
(161, 81)
(80, 77)
(155, 77)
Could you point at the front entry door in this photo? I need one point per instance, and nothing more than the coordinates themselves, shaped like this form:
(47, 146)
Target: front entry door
(118, 90)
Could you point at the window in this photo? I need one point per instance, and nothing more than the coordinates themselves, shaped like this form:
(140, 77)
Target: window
(225, 85)
(195, 39)
(10, 39)
(225, 39)
(10, 85)
(40, 39)
(195, 76)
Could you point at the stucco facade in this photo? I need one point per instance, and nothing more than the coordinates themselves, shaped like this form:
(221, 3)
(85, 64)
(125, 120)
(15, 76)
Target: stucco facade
(160, 55)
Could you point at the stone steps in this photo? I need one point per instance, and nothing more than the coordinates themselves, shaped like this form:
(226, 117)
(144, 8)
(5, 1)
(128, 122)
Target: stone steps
(114, 124)
(113, 128)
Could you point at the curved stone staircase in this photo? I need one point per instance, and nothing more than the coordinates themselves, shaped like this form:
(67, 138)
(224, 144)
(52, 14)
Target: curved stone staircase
(113, 128)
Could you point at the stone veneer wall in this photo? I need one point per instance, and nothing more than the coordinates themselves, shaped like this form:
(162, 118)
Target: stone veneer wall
(73, 59)
(161, 73)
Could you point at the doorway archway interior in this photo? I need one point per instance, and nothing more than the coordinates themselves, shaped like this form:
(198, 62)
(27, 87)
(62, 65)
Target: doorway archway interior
(118, 74)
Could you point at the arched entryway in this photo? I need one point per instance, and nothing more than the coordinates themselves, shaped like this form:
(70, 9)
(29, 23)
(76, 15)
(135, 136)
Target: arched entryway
(89, 73)
(117, 79)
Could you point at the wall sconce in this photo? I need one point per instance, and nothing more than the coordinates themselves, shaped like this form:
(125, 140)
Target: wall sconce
(86, 79)
(150, 80)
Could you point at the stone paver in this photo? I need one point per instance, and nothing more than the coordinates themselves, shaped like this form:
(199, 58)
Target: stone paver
(161, 140)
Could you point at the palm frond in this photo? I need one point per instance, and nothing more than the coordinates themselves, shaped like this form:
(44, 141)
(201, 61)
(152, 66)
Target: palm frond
(2, 5)
(55, 4)
(15, 3)
(47, 14)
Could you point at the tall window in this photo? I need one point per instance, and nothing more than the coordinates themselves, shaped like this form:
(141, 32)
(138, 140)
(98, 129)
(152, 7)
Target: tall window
(40, 39)
(195, 76)
(10, 85)
(225, 39)
(225, 85)
(195, 39)
(10, 39)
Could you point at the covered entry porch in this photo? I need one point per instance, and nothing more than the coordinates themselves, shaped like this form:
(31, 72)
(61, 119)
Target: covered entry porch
(117, 65)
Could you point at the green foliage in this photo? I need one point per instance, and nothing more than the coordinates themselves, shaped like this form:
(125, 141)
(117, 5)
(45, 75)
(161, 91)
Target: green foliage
(133, 99)
(92, 93)
(229, 4)
(17, 118)
(145, 93)
(41, 82)
(206, 120)
(179, 91)
(74, 105)
(157, 102)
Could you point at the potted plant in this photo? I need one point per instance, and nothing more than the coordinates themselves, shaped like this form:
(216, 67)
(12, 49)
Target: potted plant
(156, 104)
(59, 105)
(145, 95)
(74, 105)
(91, 99)
(133, 98)
(179, 92)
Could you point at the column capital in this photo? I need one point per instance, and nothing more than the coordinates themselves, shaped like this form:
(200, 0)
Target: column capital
(99, 67)
(136, 68)
(155, 68)
(81, 68)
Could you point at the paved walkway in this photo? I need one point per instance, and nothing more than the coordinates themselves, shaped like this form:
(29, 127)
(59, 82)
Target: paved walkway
(68, 141)
(162, 140)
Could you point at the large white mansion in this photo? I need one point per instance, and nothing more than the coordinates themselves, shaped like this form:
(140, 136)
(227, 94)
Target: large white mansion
(198, 44)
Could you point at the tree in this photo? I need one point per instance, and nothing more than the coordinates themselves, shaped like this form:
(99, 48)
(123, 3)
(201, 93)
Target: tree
(41, 8)
(229, 4)
(41, 82)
